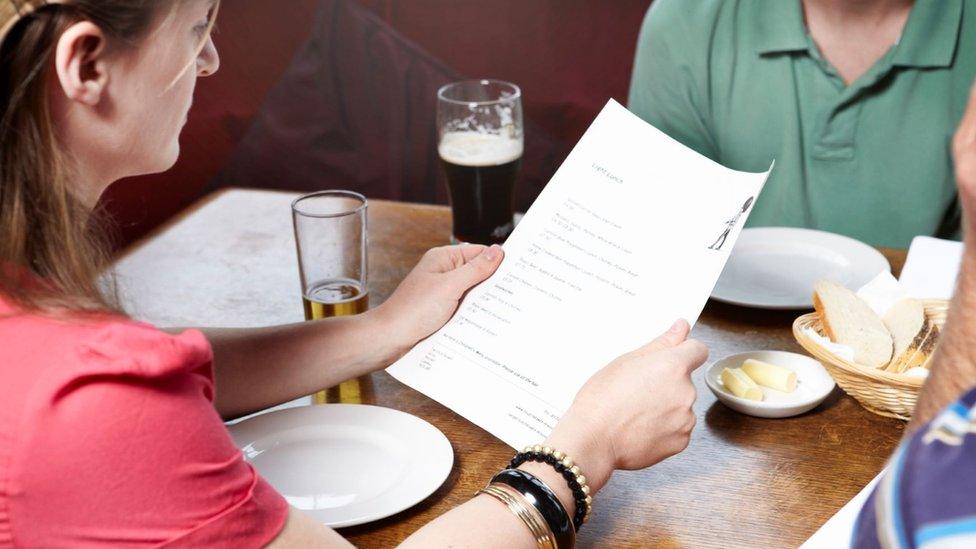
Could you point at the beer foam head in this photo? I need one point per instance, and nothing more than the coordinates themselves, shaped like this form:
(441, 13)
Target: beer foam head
(479, 149)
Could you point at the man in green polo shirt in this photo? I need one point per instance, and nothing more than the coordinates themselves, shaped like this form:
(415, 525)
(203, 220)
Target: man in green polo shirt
(856, 101)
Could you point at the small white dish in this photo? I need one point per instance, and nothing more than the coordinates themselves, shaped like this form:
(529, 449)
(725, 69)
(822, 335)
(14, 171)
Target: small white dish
(346, 464)
(814, 384)
(776, 267)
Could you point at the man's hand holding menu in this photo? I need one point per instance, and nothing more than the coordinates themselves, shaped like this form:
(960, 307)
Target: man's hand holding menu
(630, 234)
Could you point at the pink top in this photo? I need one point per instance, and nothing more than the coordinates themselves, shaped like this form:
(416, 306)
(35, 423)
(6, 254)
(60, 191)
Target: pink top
(108, 435)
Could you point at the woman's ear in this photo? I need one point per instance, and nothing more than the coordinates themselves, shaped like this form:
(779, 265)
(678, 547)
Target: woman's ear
(80, 63)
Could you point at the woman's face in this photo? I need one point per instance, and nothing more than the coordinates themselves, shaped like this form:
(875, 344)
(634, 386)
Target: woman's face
(122, 108)
(156, 86)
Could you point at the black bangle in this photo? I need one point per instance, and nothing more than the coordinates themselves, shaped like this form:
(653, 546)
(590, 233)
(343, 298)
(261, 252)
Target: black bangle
(580, 497)
(542, 498)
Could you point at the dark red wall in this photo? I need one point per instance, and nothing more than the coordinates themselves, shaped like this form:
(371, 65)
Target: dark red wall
(256, 40)
(569, 56)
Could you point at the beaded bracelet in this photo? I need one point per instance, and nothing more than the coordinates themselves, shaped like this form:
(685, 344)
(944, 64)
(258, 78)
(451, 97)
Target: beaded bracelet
(563, 465)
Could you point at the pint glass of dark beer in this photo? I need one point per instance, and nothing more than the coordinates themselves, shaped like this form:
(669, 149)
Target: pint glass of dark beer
(480, 141)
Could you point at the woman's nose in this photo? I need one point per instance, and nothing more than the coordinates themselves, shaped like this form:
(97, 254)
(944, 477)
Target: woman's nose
(208, 61)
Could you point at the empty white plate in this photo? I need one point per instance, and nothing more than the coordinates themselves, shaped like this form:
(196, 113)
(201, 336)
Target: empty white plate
(346, 464)
(776, 267)
(813, 385)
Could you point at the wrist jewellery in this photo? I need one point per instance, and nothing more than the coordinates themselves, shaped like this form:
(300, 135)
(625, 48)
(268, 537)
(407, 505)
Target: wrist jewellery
(535, 504)
(565, 466)
(526, 512)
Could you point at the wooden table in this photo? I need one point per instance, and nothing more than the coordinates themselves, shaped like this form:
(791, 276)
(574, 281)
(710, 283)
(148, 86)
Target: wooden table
(743, 482)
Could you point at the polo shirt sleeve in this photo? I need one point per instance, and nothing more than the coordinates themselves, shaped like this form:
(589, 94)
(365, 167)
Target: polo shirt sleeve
(129, 450)
(669, 81)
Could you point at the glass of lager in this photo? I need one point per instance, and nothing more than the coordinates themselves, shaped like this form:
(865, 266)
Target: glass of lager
(480, 142)
(331, 237)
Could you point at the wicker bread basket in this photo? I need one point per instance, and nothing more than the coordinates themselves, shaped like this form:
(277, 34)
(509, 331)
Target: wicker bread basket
(884, 393)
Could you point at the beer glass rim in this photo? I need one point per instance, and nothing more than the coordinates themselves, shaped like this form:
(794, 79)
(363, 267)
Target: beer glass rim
(296, 204)
(516, 91)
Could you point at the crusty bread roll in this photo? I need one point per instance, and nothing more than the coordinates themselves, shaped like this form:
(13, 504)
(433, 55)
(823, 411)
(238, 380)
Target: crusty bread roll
(848, 320)
(913, 334)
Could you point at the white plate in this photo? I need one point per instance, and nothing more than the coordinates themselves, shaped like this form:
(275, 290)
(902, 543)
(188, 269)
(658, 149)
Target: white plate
(776, 267)
(813, 385)
(346, 464)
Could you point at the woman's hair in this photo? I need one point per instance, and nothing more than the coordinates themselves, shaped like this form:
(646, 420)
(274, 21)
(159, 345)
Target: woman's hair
(52, 247)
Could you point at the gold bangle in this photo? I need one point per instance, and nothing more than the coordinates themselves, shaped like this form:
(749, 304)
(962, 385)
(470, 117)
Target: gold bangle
(544, 535)
(527, 513)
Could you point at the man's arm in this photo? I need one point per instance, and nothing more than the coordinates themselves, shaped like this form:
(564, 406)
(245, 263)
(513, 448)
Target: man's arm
(953, 367)
(666, 85)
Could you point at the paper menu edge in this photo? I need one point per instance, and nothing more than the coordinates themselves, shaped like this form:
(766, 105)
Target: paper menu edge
(614, 104)
(497, 426)
(742, 227)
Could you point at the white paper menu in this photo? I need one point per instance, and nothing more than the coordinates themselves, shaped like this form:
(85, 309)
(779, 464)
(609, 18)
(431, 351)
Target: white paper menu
(630, 234)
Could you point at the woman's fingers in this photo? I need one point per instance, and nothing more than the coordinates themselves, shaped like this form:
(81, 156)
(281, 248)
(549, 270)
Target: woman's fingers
(476, 269)
(692, 353)
(470, 251)
(671, 338)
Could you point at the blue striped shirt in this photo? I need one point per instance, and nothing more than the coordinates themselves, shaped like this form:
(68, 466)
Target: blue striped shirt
(927, 499)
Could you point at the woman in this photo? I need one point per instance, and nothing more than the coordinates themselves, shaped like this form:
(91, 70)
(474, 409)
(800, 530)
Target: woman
(111, 430)
(855, 100)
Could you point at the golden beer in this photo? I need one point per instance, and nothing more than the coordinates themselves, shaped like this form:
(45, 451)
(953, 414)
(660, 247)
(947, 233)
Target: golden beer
(331, 298)
(335, 298)
(331, 241)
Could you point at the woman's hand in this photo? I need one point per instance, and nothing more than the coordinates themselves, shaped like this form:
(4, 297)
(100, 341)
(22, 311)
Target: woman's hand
(430, 294)
(636, 411)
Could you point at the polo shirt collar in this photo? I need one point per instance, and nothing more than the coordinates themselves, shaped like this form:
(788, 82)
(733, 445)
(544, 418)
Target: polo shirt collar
(929, 39)
(930, 35)
(780, 27)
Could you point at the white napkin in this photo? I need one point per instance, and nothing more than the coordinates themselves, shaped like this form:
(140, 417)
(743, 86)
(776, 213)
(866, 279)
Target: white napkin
(931, 268)
(882, 293)
(844, 351)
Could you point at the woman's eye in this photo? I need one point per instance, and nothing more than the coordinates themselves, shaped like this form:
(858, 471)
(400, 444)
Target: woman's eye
(204, 26)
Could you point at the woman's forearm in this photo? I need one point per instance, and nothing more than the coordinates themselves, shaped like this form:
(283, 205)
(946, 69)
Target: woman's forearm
(257, 368)
(261, 367)
(486, 522)
(482, 522)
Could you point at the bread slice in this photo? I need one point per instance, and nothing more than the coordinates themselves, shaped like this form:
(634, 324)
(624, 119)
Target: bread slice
(914, 336)
(920, 353)
(848, 320)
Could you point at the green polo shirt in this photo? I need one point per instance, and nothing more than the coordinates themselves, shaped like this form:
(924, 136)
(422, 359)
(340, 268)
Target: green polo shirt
(742, 82)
